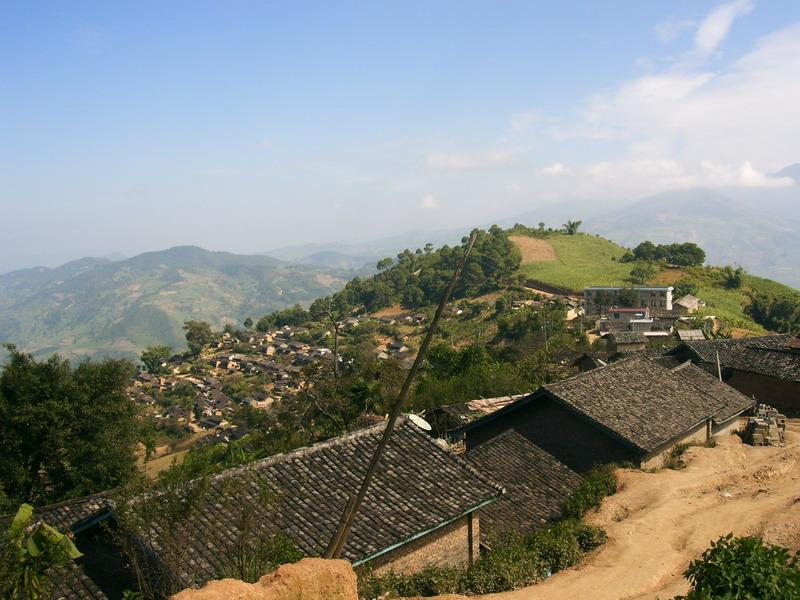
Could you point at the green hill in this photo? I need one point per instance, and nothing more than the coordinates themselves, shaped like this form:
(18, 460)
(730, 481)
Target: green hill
(582, 260)
(117, 308)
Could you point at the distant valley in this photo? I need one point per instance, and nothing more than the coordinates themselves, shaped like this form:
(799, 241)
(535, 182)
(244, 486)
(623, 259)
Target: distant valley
(116, 308)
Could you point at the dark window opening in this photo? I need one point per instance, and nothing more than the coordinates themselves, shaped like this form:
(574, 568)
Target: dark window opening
(104, 562)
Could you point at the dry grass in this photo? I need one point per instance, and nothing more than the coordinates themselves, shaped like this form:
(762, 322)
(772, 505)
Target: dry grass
(533, 249)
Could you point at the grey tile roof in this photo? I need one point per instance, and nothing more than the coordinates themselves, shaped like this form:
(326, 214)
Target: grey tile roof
(536, 483)
(418, 487)
(71, 582)
(644, 403)
(627, 337)
(772, 355)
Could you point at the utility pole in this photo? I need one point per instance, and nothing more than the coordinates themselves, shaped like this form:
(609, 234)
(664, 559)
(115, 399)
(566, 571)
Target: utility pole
(336, 324)
(339, 538)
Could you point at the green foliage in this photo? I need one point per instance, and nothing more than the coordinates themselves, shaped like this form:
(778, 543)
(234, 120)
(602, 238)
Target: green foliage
(154, 357)
(294, 315)
(683, 288)
(198, 335)
(571, 227)
(419, 279)
(248, 323)
(65, 432)
(732, 279)
(598, 483)
(688, 254)
(744, 568)
(517, 324)
(512, 563)
(628, 297)
(28, 552)
(539, 232)
(250, 558)
(642, 272)
(775, 311)
(673, 460)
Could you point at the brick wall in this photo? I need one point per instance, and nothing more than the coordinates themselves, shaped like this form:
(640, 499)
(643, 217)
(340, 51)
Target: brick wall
(448, 546)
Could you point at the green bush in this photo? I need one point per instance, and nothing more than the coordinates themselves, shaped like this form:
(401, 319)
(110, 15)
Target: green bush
(599, 483)
(506, 567)
(744, 568)
(512, 563)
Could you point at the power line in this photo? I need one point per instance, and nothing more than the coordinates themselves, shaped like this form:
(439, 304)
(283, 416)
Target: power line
(339, 538)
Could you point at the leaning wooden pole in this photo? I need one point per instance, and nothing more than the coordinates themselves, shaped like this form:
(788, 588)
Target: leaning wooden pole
(339, 538)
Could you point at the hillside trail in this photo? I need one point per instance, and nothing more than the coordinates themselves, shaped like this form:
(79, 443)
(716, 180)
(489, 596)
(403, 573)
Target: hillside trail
(658, 522)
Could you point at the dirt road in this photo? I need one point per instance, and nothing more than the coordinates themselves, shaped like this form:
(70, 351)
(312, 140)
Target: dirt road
(658, 522)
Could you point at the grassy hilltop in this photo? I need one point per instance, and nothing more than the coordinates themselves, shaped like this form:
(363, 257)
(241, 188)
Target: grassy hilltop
(583, 259)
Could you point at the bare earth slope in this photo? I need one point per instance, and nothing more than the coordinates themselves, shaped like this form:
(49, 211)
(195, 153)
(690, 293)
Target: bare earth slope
(658, 522)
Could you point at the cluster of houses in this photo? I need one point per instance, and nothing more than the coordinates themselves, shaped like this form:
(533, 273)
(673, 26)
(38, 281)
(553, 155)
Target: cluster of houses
(655, 317)
(487, 468)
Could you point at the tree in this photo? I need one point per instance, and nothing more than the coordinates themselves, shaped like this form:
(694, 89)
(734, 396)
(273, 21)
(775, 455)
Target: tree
(629, 298)
(198, 335)
(744, 568)
(647, 250)
(641, 273)
(248, 323)
(778, 312)
(29, 551)
(732, 278)
(384, 264)
(154, 357)
(65, 432)
(683, 288)
(604, 299)
(571, 227)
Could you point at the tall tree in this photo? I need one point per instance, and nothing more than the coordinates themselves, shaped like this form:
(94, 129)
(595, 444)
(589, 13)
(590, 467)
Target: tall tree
(154, 357)
(198, 335)
(65, 432)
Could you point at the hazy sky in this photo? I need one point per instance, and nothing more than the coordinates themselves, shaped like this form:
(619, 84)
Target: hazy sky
(245, 126)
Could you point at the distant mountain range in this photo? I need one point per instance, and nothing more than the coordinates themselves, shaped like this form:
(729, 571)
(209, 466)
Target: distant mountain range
(96, 305)
(758, 229)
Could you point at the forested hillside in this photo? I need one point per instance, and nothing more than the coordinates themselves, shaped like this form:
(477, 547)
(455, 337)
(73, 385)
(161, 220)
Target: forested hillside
(118, 308)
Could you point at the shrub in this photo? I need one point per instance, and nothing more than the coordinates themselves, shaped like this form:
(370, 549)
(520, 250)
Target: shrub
(744, 568)
(506, 567)
(599, 483)
(673, 460)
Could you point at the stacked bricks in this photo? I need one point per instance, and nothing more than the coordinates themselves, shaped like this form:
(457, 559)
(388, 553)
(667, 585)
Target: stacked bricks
(767, 427)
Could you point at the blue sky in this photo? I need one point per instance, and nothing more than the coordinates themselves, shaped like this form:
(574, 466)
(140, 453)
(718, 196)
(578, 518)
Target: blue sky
(245, 126)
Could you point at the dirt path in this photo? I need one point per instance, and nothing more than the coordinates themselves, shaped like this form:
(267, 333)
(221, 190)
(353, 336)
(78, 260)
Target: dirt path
(658, 522)
(533, 249)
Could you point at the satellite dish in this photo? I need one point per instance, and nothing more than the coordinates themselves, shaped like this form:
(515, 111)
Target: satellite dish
(419, 422)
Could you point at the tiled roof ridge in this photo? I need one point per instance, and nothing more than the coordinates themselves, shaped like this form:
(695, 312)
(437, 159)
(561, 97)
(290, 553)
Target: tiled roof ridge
(402, 421)
(616, 363)
(697, 370)
(313, 448)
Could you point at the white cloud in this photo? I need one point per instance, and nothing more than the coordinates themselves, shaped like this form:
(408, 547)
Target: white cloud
(429, 202)
(704, 127)
(556, 170)
(466, 162)
(715, 27)
(669, 31)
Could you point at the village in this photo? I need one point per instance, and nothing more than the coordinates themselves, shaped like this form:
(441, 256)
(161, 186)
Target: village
(650, 386)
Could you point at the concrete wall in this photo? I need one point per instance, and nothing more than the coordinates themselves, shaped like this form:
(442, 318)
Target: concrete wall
(698, 435)
(728, 427)
(451, 546)
(560, 432)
